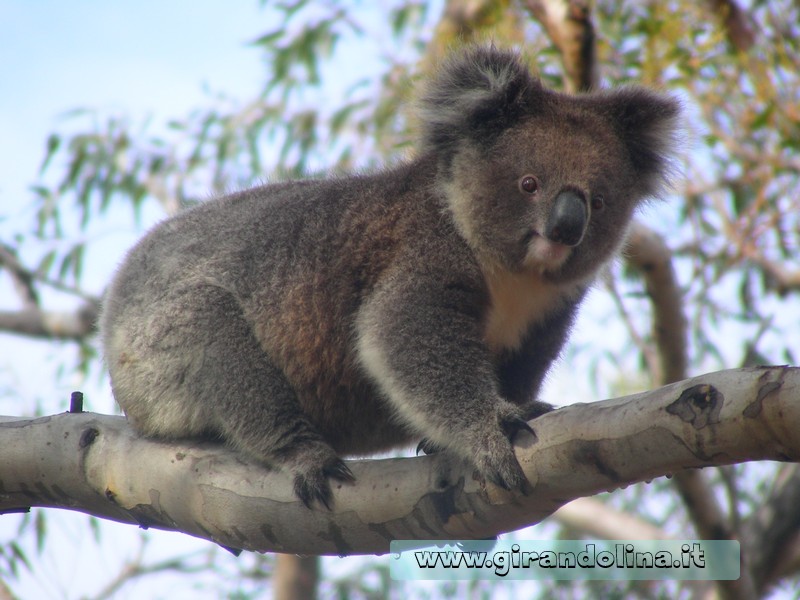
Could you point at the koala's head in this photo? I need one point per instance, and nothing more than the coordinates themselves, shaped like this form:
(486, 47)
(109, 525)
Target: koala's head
(539, 180)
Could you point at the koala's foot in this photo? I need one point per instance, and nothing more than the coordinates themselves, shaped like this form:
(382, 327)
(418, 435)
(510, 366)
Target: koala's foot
(494, 452)
(313, 468)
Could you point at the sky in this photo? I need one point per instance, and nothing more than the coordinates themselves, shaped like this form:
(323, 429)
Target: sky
(142, 57)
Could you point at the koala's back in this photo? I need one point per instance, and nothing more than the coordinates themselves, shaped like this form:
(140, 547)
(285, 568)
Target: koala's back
(290, 265)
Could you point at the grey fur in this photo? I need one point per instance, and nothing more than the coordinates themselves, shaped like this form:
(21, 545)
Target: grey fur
(307, 320)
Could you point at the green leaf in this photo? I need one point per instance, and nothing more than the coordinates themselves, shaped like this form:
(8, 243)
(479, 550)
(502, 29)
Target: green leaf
(267, 39)
(764, 117)
(53, 144)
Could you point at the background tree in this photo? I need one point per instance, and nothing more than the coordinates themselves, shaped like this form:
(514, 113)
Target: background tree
(711, 283)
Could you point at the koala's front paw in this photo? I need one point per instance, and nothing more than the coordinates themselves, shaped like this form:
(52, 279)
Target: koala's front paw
(313, 471)
(494, 455)
(314, 483)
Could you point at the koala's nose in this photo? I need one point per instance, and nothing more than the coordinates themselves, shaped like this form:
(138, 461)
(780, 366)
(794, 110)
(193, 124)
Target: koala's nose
(568, 218)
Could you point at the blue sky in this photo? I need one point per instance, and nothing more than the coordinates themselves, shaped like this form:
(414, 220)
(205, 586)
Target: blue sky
(144, 57)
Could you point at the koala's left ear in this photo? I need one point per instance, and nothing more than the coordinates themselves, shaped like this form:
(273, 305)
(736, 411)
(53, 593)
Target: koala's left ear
(647, 123)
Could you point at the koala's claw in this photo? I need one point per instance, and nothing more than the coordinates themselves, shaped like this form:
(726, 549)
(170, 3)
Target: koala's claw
(508, 475)
(340, 472)
(315, 484)
(494, 455)
(427, 447)
(513, 424)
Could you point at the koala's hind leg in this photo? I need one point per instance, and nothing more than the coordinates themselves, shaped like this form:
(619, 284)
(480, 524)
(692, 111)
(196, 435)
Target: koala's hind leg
(258, 412)
(208, 363)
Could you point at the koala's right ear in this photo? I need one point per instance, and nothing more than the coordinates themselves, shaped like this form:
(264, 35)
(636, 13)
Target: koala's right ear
(476, 95)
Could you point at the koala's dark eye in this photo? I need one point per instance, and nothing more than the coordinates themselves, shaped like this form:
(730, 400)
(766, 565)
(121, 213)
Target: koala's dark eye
(598, 202)
(529, 184)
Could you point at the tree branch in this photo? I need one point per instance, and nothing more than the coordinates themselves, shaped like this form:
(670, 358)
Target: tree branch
(649, 255)
(51, 325)
(782, 279)
(21, 277)
(569, 25)
(598, 519)
(737, 23)
(84, 462)
(770, 534)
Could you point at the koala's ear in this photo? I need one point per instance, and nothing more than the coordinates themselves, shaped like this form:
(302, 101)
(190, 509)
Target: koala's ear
(647, 123)
(476, 95)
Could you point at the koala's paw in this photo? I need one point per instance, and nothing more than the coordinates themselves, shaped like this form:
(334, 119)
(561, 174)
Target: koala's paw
(494, 456)
(314, 484)
(312, 478)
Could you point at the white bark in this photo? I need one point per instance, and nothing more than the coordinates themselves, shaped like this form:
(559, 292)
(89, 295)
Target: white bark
(96, 464)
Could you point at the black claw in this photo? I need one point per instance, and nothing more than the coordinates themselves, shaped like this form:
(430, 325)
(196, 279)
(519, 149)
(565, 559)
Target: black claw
(326, 501)
(340, 472)
(427, 447)
(308, 492)
(302, 491)
(515, 424)
(499, 481)
(314, 486)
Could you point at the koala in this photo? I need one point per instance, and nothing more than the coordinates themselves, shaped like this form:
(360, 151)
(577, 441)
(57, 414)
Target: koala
(303, 321)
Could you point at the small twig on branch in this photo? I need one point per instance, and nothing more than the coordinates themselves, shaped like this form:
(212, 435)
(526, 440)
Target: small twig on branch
(22, 278)
(38, 323)
(649, 353)
(781, 278)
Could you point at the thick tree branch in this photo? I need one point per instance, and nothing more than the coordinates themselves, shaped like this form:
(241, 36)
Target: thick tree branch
(650, 256)
(771, 532)
(569, 25)
(738, 25)
(295, 576)
(598, 519)
(84, 462)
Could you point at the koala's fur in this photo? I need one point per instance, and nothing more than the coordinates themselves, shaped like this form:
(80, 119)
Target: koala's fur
(307, 320)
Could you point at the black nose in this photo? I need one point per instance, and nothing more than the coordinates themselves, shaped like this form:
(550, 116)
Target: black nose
(568, 219)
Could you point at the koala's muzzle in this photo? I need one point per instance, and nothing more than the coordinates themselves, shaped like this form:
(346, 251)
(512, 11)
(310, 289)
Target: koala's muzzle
(568, 219)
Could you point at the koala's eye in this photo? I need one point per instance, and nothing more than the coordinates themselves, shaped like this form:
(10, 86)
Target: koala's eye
(529, 184)
(598, 202)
